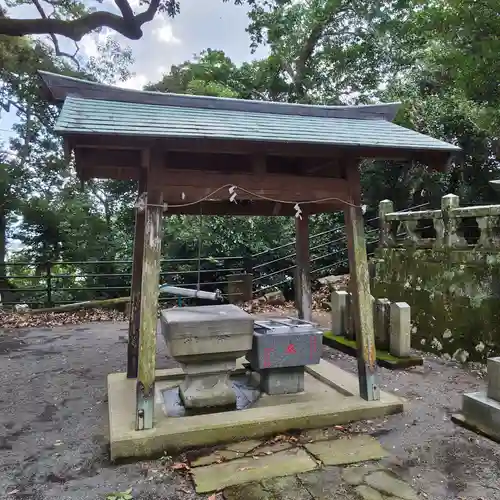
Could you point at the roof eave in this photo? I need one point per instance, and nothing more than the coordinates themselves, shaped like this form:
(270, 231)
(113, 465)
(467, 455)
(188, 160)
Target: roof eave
(57, 87)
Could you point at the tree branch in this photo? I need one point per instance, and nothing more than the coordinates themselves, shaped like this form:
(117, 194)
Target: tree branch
(129, 27)
(53, 37)
(309, 46)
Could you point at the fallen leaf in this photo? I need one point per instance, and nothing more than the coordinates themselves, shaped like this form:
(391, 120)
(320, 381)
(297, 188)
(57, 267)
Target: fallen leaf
(180, 466)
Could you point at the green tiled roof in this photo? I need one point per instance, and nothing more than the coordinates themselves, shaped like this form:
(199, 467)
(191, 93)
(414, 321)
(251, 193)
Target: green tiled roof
(89, 116)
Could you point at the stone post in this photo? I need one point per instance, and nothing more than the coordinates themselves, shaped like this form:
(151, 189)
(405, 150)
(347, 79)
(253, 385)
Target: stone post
(400, 329)
(448, 203)
(386, 238)
(350, 329)
(339, 300)
(381, 313)
(239, 288)
(494, 378)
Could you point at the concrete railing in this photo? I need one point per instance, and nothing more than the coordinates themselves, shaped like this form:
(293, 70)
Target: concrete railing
(392, 322)
(450, 227)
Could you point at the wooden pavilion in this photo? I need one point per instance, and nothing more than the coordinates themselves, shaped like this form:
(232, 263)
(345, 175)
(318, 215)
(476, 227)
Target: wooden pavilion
(186, 151)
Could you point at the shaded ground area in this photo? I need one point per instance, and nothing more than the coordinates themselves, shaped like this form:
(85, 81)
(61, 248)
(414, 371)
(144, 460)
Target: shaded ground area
(53, 425)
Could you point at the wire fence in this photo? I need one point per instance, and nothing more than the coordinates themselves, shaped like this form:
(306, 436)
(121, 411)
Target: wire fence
(56, 283)
(50, 284)
(331, 259)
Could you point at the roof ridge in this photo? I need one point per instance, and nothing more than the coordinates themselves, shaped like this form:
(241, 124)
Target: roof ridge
(57, 87)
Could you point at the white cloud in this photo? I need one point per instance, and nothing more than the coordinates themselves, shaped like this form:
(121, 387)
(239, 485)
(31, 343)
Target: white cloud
(165, 34)
(90, 42)
(137, 82)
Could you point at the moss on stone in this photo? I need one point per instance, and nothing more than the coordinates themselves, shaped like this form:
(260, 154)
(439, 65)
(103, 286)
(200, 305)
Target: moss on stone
(454, 295)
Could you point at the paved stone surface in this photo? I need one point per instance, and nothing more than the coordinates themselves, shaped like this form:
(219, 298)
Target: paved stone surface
(347, 451)
(244, 446)
(286, 488)
(390, 485)
(272, 448)
(355, 475)
(53, 425)
(319, 435)
(251, 491)
(368, 493)
(327, 484)
(215, 457)
(218, 476)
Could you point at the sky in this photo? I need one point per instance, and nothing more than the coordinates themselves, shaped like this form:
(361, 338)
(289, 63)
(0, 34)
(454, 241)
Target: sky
(201, 24)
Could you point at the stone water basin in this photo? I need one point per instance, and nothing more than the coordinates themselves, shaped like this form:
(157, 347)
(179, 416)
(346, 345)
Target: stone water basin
(207, 341)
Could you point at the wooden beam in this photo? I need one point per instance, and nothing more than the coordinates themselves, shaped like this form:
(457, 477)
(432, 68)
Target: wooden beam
(359, 285)
(259, 164)
(300, 188)
(135, 292)
(437, 158)
(149, 296)
(303, 291)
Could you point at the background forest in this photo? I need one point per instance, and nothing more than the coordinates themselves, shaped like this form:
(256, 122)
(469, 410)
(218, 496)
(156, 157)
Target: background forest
(438, 57)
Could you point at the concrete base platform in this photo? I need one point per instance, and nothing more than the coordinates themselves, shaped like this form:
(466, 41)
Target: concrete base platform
(480, 414)
(331, 397)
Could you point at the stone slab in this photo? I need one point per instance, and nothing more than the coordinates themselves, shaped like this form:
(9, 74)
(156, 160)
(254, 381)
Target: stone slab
(347, 451)
(390, 485)
(356, 475)
(215, 457)
(244, 470)
(244, 446)
(272, 448)
(250, 491)
(286, 488)
(319, 435)
(326, 484)
(493, 390)
(324, 403)
(368, 493)
(482, 412)
(459, 419)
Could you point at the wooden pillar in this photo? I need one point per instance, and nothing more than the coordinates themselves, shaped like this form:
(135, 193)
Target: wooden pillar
(359, 285)
(150, 282)
(135, 289)
(303, 292)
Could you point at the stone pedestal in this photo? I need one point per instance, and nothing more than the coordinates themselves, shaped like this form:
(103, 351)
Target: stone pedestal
(288, 380)
(207, 341)
(207, 385)
(481, 410)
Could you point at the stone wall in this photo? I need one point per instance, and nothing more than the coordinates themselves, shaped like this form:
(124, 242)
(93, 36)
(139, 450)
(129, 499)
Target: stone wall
(449, 277)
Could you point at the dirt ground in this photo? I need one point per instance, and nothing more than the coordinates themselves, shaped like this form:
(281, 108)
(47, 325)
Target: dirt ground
(53, 423)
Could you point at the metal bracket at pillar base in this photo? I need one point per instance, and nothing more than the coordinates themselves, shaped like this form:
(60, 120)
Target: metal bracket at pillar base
(369, 389)
(145, 407)
(142, 202)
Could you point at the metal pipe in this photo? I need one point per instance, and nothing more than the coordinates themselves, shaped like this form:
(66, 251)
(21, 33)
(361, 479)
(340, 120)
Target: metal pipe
(197, 294)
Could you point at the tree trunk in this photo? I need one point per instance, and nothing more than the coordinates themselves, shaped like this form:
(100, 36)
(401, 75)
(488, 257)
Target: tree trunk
(3, 248)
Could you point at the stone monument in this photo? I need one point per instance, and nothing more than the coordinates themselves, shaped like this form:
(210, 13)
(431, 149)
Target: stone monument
(207, 341)
(482, 409)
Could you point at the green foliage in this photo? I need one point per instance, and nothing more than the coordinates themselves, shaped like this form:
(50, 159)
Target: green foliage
(439, 58)
(123, 495)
